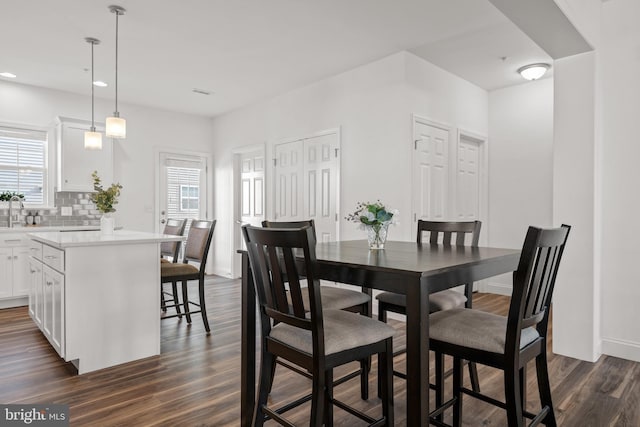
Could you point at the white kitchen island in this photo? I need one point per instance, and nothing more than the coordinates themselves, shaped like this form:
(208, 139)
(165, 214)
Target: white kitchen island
(96, 297)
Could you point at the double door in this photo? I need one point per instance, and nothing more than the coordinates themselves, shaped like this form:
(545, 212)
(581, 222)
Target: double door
(13, 272)
(307, 183)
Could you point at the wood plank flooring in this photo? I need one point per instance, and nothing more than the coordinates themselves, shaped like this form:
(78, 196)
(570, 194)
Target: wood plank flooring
(196, 379)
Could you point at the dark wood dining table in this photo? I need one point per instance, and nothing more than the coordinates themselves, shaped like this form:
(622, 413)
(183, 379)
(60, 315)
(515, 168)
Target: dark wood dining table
(402, 267)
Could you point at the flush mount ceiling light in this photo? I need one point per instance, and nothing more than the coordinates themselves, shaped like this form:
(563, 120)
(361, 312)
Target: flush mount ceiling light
(8, 75)
(92, 139)
(100, 83)
(116, 126)
(533, 71)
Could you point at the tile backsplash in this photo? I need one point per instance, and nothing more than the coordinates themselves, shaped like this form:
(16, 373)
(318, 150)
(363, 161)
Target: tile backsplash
(83, 211)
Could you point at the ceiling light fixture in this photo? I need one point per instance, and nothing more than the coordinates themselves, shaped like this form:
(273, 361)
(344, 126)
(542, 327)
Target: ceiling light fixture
(533, 71)
(92, 139)
(100, 83)
(116, 126)
(8, 75)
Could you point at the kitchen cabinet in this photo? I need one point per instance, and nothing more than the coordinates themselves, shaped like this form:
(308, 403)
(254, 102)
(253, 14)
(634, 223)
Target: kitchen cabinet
(14, 279)
(36, 303)
(75, 164)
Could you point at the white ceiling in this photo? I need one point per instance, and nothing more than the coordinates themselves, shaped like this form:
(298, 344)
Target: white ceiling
(247, 50)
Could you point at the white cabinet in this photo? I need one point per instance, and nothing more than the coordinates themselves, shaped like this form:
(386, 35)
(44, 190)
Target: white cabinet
(36, 303)
(14, 279)
(74, 163)
(53, 301)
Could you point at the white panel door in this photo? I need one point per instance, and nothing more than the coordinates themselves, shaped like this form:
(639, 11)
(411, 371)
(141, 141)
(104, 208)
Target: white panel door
(321, 164)
(289, 172)
(468, 180)
(252, 188)
(430, 172)
(6, 272)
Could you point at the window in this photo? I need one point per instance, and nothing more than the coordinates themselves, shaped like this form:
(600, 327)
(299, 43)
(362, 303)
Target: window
(23, 163)
(189, 198)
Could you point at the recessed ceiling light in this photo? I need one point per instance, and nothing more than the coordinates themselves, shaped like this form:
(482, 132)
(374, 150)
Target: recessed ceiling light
(201, 91)
(100, 83)
(533, 71)
(8, 75)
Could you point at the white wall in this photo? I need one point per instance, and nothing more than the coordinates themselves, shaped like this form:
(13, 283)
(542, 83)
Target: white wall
(372, 105)
(521, 165)
(134, 161)
(620, 60)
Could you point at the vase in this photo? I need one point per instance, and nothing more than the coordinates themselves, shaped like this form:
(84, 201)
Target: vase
(377, 235)
(107, 222)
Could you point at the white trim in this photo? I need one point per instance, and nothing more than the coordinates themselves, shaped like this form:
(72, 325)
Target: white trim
(623, 349)
(497, 288)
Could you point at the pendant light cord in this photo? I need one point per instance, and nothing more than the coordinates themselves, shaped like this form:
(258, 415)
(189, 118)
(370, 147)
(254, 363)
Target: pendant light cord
(93, 127)
(117, 15)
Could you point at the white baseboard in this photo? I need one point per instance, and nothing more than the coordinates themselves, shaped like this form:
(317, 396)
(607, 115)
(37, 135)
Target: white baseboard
(628, 350)
(495, 288)
(14, 302)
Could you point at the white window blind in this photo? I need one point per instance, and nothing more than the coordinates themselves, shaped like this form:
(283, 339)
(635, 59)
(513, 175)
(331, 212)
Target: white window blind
(23, 164)
(184, 189)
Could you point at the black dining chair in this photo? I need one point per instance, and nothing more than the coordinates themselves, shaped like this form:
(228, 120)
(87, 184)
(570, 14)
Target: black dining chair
(334, 298)
(317, 340)
(173, 227)
(196, 251)
(459, 233)
(506, 343)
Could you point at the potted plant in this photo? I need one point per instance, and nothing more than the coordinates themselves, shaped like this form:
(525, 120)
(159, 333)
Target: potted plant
(6, 196)
(375, 219)
(105, 201)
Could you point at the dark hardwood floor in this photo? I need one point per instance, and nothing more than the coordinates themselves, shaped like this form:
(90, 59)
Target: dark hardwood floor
(196, 379)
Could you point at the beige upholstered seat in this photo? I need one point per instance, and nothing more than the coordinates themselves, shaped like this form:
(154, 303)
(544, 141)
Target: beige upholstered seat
(337, 298)
(443, 300)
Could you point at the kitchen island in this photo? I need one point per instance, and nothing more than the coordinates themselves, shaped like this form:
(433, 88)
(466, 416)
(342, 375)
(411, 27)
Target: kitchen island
(96, 297)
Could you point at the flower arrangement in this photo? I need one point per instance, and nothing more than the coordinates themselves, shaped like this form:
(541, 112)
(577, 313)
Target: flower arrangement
(5, 196)
(375, 219)
(105, 199)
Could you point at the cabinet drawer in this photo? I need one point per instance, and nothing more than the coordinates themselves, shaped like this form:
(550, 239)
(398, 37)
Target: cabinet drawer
(53, 257)
(11, 240)
(35, 250)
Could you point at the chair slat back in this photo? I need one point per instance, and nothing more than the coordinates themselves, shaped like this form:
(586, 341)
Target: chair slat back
(199, 241)
(173, 227)
(274, 255)
(291, 224)
(450, 232)
(534, 280)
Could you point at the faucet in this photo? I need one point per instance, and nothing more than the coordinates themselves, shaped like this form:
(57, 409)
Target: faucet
(11, 218)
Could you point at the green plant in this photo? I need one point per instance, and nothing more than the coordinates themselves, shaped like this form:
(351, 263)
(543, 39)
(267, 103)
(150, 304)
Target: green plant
(373, 214)
(105, 199)
(5, 196)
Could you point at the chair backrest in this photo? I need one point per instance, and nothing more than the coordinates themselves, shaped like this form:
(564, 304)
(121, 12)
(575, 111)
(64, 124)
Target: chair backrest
(173, 227)
(450, 230)
(198, 242)
(292, 252)
(291, 224)
(533, 282)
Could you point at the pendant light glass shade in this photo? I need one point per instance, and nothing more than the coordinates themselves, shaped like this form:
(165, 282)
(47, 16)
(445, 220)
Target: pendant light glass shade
(92, 139)
(116, 126)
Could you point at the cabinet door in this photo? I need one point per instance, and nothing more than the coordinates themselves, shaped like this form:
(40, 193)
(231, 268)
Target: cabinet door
(53, 322)
(35, 292)
(76, 164)
(6, 272)
(21, 280)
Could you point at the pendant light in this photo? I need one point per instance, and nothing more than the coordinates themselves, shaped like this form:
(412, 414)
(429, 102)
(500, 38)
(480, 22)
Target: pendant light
(92, 139)
(116, 126)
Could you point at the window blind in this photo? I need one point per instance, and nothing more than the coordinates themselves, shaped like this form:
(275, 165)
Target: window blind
(23, 163)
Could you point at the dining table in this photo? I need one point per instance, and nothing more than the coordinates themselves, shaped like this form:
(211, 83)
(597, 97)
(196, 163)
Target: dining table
(415, 270)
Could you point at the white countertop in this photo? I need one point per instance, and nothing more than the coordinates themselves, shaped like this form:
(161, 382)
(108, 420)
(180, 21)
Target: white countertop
(38, 228)
(69, 239)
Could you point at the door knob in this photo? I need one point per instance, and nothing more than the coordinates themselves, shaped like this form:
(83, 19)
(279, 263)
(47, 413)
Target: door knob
(162, 221)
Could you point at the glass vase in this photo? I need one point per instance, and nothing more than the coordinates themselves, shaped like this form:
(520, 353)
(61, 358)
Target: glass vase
(377, 235)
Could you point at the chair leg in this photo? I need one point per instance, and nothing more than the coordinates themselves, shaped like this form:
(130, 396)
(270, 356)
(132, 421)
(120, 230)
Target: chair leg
(439, 360)
(473, 375)
(544, 388)
(385, 360)
(512, 396)
(163, 304)
(365, 365)
(523, 387)
(263, 387)
(328, 412)
(382, 316)
(176, 300)
(203, 306)
(185, 301)
(318, 396)
(457, 391)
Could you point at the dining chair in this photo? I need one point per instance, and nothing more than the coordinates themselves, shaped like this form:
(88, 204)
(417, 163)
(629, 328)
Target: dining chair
(173, 227)
(317, 340)
(334, 298)
(445, 233)
(196, 250)
(506, 343)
